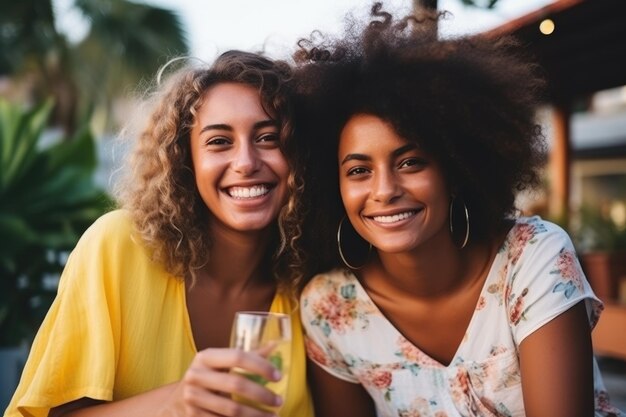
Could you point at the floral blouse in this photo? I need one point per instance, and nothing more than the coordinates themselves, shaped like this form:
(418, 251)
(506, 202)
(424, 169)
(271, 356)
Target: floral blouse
(534, 278)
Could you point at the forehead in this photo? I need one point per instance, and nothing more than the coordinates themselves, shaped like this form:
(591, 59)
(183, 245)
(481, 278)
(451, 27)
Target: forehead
(231, 98)
(366, 131)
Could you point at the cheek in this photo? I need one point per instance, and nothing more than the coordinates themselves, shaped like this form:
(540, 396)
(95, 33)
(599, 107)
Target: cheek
(351, 194)
(429, 187)
(206, 169)
(280, 167)
(438, 192)
(208, 173)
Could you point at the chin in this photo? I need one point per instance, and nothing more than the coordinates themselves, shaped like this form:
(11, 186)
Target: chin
(252, 228)
(254, 225)
(394, 247)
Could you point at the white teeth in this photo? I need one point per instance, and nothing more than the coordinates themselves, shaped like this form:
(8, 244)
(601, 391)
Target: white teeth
(394, 218)
(248, 192)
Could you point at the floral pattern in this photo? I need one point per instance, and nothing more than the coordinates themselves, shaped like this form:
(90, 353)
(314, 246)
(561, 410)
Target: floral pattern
(340, 310)
(569, 272)
(517, 312)
(535, 274)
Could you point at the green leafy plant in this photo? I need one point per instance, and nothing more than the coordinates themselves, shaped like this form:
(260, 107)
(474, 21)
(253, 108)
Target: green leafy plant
(125, 42)
(47, 200)
(598, 232)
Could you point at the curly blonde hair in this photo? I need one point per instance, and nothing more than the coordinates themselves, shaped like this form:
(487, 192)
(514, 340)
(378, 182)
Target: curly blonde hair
(160, 191)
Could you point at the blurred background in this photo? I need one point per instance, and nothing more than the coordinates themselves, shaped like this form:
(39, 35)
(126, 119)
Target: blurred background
(71, 72)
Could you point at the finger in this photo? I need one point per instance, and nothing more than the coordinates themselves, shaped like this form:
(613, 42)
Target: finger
(251, 362)
(266, 350)
(250, 389)
(204, 402)
(229, 384)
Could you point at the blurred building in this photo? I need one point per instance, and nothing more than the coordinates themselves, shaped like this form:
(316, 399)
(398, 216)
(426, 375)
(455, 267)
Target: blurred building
(581, 45)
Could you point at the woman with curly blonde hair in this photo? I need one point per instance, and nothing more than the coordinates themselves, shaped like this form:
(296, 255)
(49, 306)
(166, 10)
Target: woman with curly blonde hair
(141, 323)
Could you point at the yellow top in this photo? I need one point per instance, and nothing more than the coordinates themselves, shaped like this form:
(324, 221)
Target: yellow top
(119, 327)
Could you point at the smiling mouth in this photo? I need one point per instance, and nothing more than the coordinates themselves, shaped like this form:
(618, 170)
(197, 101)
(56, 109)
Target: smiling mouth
(395, 217)
(248, 192)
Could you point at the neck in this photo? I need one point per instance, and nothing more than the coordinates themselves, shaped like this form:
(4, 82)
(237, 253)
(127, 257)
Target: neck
(237, 259)
(431, 271)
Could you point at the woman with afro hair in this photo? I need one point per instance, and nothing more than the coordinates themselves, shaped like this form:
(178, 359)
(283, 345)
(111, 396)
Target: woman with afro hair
(439, 298)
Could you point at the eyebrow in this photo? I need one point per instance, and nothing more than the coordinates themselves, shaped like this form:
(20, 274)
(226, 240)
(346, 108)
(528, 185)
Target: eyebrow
(258, 125)
(395, 154)
(355, 157)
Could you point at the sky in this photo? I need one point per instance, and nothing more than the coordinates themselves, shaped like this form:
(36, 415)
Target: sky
(274, 26)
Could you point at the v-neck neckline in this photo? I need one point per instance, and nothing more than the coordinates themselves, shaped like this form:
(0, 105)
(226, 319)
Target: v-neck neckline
(276, 306)
(493, 268)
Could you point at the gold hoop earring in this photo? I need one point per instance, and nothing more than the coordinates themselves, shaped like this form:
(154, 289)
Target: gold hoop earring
(341, 254)
(467, 222)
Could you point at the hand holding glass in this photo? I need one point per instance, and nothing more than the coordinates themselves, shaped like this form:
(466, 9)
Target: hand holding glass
(268, 334)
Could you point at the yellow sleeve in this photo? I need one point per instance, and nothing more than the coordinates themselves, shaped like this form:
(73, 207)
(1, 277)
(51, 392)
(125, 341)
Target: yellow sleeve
(74, 354)
(298, 402)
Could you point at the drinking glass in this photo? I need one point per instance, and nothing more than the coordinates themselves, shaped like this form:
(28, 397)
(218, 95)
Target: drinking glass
(269, 334)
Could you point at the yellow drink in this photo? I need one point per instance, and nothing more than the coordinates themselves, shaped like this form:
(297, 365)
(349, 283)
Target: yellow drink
(280, 357)
(268, 334)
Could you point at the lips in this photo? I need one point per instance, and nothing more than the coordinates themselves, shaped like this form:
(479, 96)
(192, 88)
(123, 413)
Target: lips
(254, 191)
(395, 217)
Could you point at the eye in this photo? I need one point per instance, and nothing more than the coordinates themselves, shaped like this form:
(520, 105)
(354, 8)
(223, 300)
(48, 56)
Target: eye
(218, 141)
(268, 137)
(357, 171)
(269, 141)
(412, 162)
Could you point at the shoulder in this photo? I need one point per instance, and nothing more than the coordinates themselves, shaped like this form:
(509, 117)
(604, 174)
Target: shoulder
(333, 299)
(534, 235)
(328, 282)
(534, 227)
(112, 255)
(110, 245)
(113, 231)
(111, 224)
(544, 277)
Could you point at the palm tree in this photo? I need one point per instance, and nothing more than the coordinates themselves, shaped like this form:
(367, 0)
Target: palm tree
(433, 4)
(125, 42)
(431, 7)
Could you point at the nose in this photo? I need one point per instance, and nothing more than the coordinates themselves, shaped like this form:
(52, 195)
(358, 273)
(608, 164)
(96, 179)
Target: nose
(385, 187)
(246, 160)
